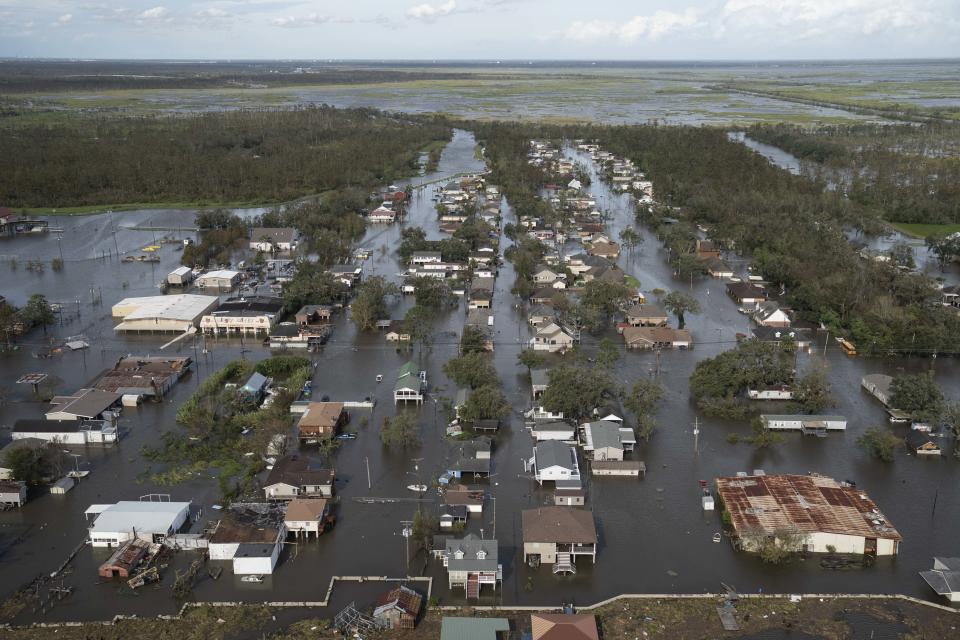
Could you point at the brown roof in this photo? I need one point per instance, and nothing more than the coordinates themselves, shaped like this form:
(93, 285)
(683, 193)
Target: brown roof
(807, 503)
(655, 334)
(561, 626)
(298, 471)
(559, 524)
(303, 510)
(459, 494)
(403, 598)
(230, 530)
(320, 417)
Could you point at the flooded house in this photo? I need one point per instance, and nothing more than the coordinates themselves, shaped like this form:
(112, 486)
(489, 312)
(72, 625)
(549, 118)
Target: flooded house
(781, 392)
(306, 517)
(180, 277)
(553, 461)
(322, 420)
(348, 274)
(606, 440)
(85, 404)
(770, 314)
(273, 239)
(144, 376)
(551, 338)
(219, 279)
(746, 293)
(656, 338)
(647, 315)
(563, 626)
(922, 444)
(410, 384)
(944, 578)
(470, 498)
(540, 315)
(471, 457)
(313, 315)
(879, 386)
(471, 563)
(175, 313)
(558, 536)
(396, 331)
(553, 430)
(296, 476)
(13, 494)
(799, 338)
(539, 381)
(66, 432)
(254, 315)
(148, 519)
(717, 268)
(399, 608)
(830, 516)
(806, 424)
(250, 541)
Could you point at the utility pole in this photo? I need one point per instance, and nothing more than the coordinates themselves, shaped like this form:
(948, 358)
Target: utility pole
(696, 435)
(406, 532)
(825, 343)
(367, 459)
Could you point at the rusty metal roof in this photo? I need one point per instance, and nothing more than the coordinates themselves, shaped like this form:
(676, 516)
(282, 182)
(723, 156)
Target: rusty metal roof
(808, 504)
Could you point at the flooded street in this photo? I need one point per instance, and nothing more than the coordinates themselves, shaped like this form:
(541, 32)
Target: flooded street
(654, 538)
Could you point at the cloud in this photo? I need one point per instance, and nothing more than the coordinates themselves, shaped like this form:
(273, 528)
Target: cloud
(652, 27)
(429, 12)
(303, 21)
(65, 18)
(213, 13)
(156, 13)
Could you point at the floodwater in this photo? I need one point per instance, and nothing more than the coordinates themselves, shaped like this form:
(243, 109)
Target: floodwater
(653, 535)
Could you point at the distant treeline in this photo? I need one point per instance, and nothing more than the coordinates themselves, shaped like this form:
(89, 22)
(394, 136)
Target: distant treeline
(58, 76)
(241, 156)
(906, 173)
(791, 226)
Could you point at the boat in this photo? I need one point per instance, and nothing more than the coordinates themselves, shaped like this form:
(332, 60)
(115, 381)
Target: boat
(717, 537)
(379, 377)
(252, 578)
(420, 488)
(347, 436)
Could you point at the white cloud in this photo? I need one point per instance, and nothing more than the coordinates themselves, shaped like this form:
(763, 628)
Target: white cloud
(430, 12)
(156, 13)
(213, 13)
(304, 21)
(652, 27)
(65, 18)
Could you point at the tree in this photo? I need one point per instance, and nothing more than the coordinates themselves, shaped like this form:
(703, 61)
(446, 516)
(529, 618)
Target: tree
(311, 284)
(629, 238)
(718, 383)
(951, 419)
(26, 464)
(37, 311)
(473, 340)
(763, 438)
(812, 391)
(644, 396)
(432, 293)
(576, 390)
(607, 354)
(9, 318)
(399, 432)
(918, 395)
(484, 403)
(472, 370)
(775, 548)
(418, 322)
(605, 297)
(424, 525)
(879, 443)
(944, 247)
(370, 304)
(688, 265)
(901, 255)
(216, 219)
(530, 359)
(679, 303)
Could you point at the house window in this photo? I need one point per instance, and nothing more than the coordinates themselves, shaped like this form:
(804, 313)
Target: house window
(481, 555)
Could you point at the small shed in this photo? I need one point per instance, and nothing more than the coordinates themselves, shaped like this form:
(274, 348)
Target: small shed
(399, 608)
(62, 486)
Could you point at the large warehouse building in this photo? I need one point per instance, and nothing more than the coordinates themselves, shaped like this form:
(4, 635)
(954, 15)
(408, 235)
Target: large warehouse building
(828, 515)
(148, 520)
(163, 313)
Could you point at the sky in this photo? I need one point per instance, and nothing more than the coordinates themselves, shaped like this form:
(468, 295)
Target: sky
(481, 29)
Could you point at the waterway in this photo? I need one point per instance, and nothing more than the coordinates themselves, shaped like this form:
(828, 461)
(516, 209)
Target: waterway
(653, 535)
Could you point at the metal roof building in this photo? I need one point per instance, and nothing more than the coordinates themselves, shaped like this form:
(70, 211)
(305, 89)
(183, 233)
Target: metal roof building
(163, 313)
(145, 520)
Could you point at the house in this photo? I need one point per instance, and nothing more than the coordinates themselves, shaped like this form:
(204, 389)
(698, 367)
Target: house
(452, 516)
(782, 392)
(219, 279)
(647, 315)
(879, 386)
(605, 249)
(552, 461)
(563, 626)
(253, 547)
(717, 268)
(472, 562)
(289, 335)
(382, 215)
(922, 443)
(399, 608)
(831, 516)
(307, 516)
(656, 338)
(313, 315)
(255, 388)
(85, 404)
(629, 468)
(944, 578)
(66, 432)
(179, 313)
(123, 562)
(348, 274)
(706, 249)
(539, 381)
(473, 457)
(540, 315)
(458, 495)
(545, 295)
(553, 430)
(409, 385)
(572, 497)
(322, 420)
(542, 274)
(36, 444)
(397, 332)
(799, 338)
(480, 298)
(144, 376)
(179, 277)
(12, 494)
(297, 477)
(806, 424)
(420, 258)
(148, 520)
(558, 535)
(769, 314)
(551, 338)
(253, 315)
(950, 296)
(452, 628)
(746, 293)
(607, 440)
(271, 239)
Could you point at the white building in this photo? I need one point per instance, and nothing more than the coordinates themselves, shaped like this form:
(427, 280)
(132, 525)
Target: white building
(554, 461)
(163, 313)
(255, 315)
(253, 549)
(944, 578)
(551, 338)
(306, 516)
(85, 404)
(220, 279)
(148, 520)
(180, 276)
(270, 239)
(804, 423)
(72, 432)
(552, 430)
(770, 393)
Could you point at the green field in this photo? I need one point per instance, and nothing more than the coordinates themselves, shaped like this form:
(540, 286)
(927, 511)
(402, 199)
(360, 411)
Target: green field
(918, 230)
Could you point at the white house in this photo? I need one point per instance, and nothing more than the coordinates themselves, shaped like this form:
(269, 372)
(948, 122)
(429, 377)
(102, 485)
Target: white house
(180, 276)
(944, 578)
(253, 549)
(147, 520)
(554, 461)
(769, 314)
(270, 239)
(426, 257)
(552, 430)
(804, 423)
(607, 440)
(220, 279)
(771, 393)
(66, 431)
(552, 338)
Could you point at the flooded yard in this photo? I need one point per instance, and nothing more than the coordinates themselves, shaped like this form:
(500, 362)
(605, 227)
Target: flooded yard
(653, 535)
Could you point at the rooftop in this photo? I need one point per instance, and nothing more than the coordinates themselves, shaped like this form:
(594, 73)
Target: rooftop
(85, 403)
(808, 504)
(144, 516)
(298, 471)
(472, 628)
(478, 555)
(185, 306)
(565, 525)
(274, 234)
(305, 510)
(553, 453)
(561, 626)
